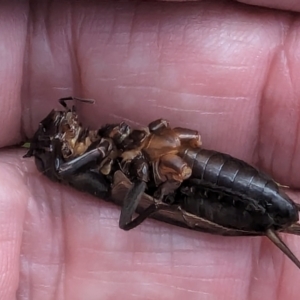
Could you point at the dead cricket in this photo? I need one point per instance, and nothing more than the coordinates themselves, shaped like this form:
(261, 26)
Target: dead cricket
(163, 173)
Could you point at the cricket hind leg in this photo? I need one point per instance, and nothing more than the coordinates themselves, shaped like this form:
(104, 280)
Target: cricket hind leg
(131, 202)
(139, 169)
(274, 237)
(153, 208)
(140, 218)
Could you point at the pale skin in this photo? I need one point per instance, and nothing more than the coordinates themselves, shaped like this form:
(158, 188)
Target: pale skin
(228, 70)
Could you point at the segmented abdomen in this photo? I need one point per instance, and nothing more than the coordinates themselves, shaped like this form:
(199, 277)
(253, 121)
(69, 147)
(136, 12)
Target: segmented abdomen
(231, 173)
(239, 186)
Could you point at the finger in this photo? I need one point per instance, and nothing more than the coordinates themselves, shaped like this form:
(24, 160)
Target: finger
(292, 5)
(13, 40)
(13, 200)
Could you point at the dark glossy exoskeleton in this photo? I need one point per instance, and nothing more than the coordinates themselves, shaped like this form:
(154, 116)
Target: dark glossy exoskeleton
(186, 185)
(251, 200)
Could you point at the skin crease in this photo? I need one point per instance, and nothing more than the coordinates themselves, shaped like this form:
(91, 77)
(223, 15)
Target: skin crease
(226, 69)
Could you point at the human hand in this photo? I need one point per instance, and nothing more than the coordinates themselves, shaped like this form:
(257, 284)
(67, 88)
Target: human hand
(225, 69)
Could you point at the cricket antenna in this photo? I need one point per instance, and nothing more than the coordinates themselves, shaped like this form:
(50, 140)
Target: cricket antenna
(62, 101)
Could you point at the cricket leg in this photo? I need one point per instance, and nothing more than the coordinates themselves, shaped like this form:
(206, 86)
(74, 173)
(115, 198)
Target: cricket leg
(132, 199)
(66, 168)
(171, 170)
(188, 136)
(130, 204)
(153, 208)
(158, 125)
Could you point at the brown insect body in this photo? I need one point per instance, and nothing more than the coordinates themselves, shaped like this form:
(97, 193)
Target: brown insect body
(219, 194)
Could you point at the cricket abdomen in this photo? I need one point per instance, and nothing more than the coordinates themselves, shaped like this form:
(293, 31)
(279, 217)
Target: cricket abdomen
(230, 192)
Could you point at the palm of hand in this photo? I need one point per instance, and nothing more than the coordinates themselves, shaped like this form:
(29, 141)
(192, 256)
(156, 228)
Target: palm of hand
(231, 74)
